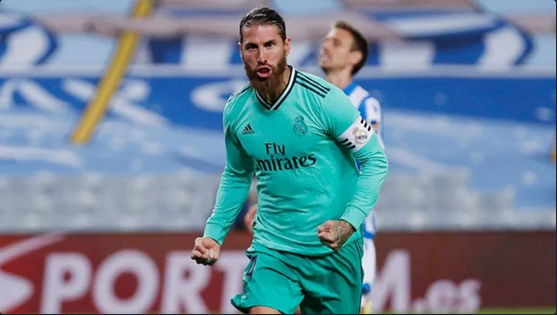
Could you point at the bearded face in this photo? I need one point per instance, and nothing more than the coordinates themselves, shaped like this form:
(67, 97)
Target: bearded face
(264, 55)
(266, 78)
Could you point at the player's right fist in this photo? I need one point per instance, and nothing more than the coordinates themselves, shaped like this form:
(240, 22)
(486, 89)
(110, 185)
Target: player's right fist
(206, 251)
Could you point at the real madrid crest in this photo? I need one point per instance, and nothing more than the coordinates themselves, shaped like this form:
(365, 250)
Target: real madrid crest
(360, 136)
(300, 127)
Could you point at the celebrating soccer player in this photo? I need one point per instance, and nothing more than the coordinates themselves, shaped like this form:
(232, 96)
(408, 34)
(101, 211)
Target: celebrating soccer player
(343, 54)
(304, 140)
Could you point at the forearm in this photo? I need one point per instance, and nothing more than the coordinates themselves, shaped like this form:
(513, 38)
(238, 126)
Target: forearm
(231, 197)
(373, 173)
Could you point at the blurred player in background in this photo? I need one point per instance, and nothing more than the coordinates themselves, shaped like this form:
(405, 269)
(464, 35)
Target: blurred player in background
(344, 52)
(303, 139)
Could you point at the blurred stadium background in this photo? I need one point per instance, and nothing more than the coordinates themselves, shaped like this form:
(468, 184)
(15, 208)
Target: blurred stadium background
(98, 211)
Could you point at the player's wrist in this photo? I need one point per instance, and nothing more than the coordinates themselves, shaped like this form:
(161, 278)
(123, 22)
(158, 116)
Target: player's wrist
(214, 240)
(354, 217)
(347, 225)
(211, 235)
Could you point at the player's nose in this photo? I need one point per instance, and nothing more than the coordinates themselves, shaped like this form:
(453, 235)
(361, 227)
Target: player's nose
(325, 46)
(262, 57)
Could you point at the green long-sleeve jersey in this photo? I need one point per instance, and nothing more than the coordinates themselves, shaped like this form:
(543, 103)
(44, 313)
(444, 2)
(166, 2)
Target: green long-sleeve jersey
(303, 150)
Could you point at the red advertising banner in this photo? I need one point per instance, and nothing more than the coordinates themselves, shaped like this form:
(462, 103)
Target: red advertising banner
(141, 273)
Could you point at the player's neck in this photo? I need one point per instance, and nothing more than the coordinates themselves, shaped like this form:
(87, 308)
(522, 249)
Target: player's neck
(340, 79)
(271, 95)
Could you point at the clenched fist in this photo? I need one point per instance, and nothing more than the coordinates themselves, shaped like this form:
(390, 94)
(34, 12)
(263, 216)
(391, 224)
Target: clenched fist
(335, 233)
(205, 251)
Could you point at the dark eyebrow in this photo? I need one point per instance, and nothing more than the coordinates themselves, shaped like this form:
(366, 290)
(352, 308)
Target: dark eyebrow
(272, 41)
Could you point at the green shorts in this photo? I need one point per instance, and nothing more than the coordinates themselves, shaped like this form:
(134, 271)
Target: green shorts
(330, 284)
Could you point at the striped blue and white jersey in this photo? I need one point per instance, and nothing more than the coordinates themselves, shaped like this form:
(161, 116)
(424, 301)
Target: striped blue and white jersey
(370, 110)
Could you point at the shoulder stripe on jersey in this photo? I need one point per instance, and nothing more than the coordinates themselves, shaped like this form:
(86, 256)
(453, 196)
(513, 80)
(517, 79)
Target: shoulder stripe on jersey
(315, 83)
(313, 86)
(314, 90)
(305, 76)
(237, 94)
(244, 90)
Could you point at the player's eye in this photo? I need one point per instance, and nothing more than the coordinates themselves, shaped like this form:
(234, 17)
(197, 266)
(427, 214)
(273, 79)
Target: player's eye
(269, 44)
(251, 46)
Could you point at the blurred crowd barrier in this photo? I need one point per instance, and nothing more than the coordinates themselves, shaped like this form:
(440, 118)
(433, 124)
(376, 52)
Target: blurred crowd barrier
(182, 202)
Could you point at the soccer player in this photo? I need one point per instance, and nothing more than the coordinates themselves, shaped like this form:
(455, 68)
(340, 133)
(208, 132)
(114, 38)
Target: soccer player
(343, 54)
(303, 138)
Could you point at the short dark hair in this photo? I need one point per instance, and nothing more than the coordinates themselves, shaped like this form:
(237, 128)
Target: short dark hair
(360, 43)
(263, 16)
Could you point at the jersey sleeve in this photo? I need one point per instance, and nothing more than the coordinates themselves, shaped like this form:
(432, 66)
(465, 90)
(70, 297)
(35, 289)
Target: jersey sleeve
(344, 123)
(233, 188)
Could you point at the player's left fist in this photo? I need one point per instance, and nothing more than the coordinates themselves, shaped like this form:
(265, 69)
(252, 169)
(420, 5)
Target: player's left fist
(335, 233)
(206, 251)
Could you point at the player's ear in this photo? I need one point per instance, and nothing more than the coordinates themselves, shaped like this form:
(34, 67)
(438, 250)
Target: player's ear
(287, 46)
(240, 48)
(355, 57)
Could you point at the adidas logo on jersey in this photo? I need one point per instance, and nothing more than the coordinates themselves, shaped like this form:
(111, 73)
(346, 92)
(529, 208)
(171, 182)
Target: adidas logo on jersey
(248, 130)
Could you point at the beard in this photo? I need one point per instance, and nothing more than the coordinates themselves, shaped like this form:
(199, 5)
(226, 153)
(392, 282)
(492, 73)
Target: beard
(267, 86)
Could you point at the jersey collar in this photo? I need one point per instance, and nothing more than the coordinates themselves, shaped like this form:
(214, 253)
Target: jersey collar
(284, 94)
(350, 88)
